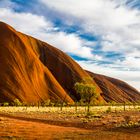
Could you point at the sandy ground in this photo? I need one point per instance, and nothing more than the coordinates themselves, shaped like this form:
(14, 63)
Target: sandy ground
(20, 129)
(42, 126)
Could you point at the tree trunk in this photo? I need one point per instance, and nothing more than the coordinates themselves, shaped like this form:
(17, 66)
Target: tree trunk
(88, 107)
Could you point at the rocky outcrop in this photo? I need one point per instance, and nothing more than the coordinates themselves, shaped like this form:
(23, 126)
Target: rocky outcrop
(34, 71)
(115, 90)
(22, 75)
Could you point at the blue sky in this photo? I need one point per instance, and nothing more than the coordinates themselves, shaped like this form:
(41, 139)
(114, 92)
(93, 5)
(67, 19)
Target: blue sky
(103, 36)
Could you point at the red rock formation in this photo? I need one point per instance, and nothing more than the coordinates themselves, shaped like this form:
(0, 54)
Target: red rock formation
(22, 75)
(66, 71)
(116, 90)
(33, 71)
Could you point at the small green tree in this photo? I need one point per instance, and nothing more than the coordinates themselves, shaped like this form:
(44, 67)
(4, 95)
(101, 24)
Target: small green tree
(86, 91)
(17, 102)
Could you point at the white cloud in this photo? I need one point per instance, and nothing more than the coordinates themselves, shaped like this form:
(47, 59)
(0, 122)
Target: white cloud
(96, 12)
(38, 27)
(130, 62)
(69, 43)
(24, 22)
(117, 25)
(112, 20)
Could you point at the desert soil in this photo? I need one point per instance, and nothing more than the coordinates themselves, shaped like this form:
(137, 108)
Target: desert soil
(44, 126)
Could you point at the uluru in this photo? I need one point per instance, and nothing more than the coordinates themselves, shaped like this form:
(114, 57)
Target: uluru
(34, 71)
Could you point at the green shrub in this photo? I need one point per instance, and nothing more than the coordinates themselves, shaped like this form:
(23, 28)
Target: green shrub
(46, 102)
(17, 102)
(108, 110)
(5, 104)
(52, 104)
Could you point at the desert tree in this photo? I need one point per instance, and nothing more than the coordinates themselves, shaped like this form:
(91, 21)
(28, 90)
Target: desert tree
(86, 91)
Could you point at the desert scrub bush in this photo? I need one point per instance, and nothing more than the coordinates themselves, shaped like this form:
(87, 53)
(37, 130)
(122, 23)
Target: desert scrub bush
(128, 123)
(108, 110)
(89, 114)
(84, 120)
(131, 124)
(112, 103)
(17, 102)
(46, 102)
(52, 104)
(138, 108)
(5, 104)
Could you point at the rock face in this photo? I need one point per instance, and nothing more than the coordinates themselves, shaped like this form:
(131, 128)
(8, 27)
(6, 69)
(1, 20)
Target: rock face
(22, 75)
(115, 90)
(34, 71)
